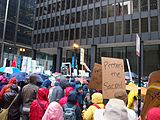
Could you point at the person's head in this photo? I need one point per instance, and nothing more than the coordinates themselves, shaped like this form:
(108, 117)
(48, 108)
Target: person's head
(78, 88)
(12, 81)
(33, 79)
(67, 78)
(46, 84)
(122, 95)
(97, 98)
(53, 112)
(72, 98)
(153, 114)
(43, 94)
(14, 88)
(68, 90)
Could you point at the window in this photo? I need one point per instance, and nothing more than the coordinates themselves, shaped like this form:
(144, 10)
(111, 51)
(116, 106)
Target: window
(78, 3)
(111, 10)
(56, 36)
(96, 31)
(118, 8)
(144, 5)
(126, 27)
(103, 30)
(127, 7)
(48, 22)
(67, 19)
(37, 12)
(45, 10)
(51, 36)
(144, 25)
(63, 5)
(61, 35)
(72, 18)
(97, 13)
(73, 3)
(71, 34)
(110, 29)
(49, 9)
(38, 39)
(83, 32)
(104, 12)
(135, 26)
(153, 4)
(34, 40)
(90, 1)
(154, 24)
(118, 28)
(47, 37)
(39, 24)
(58, 6)
(66, 34)
(84, 16)
(35, 25)
(52, 22)
(44, 23)
(53, 7)
(62, 20)
(90, 14)
(96, 0)
(135, 6)
(67, 4)
(78, 18)
(84, 2)
(57, 20)
(77, 33)
(42, 38)
(89, 32)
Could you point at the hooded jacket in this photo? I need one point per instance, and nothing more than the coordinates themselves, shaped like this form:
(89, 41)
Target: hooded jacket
(53, 112)
(97, 99)
(6, 88)
(63, 100)
(39, 106)
(131, 101)
(153, 114)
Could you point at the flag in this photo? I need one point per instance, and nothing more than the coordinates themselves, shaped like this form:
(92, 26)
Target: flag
(14, 62)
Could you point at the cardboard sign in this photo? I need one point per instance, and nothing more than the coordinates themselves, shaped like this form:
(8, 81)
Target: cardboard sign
(113, 78)
(152, 99)
(96, 79)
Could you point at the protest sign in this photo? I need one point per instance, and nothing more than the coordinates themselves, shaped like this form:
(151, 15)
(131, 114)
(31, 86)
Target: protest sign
(96, 79)
(113, 78)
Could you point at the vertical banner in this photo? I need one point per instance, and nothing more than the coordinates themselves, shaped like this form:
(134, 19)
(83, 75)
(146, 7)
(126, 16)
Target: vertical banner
(82, 55)
(19, 62)
(24, 64)
(113, 77)
(96, 79)
(34, 65)
(138, 45)
(29, 65)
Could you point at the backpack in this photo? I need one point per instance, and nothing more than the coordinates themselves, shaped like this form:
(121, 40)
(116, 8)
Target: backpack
(69, 113)
(4, 112)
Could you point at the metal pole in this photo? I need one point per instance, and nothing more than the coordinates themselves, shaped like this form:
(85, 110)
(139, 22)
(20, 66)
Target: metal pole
(139, 79)
(4, 31)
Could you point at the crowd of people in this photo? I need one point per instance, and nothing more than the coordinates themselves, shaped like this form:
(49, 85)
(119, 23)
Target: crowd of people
(66, 99)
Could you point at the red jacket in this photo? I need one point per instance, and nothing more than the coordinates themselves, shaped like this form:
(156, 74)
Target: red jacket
(63, 100)
(39, 106)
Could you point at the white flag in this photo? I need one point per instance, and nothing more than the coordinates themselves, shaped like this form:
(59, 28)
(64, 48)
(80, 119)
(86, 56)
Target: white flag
(138, 45)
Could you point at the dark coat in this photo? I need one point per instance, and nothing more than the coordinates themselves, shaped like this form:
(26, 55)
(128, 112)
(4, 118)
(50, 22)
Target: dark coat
(14, 111)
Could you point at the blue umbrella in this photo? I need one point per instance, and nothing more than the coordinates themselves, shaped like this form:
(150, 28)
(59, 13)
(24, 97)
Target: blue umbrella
(9, 70)
(19, 76)
(134, 75)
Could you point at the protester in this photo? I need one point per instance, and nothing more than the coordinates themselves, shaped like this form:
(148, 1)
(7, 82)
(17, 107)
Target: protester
(71, 107)
(122, 95)
(53, 112)
(14, 110)
(29, 93)
(114, 110)
(3, 81)
(39, 106)
(79, 91)
(58, 91)
(46, 84)
(153, 114)
(63, 100)
(6, 88)
(97, 100)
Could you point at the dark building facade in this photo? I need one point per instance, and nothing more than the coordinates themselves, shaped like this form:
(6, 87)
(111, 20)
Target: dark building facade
(104, 28)
(18, 29)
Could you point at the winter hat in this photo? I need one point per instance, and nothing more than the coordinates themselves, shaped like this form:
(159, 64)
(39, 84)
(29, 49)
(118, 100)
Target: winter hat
(46, 83)
(78, 86)
(122, 95)
(97, 98)
(56, 83)
(153, 114)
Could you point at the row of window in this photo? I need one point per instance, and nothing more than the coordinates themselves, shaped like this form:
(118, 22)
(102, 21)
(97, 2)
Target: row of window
(111, 29)
(119, 8)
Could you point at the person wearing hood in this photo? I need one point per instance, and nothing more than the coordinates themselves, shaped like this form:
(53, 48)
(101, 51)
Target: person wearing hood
(58, 91)
(97, 100)
(79, 91)
(6, 88)
(53, 112)
(71, 102)
(63, 100)
(114, 110)
(14, 110)
(153, 114)
(46, 84)
(39, 106)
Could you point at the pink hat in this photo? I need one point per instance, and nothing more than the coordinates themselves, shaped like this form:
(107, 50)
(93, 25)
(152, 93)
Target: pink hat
(153, 114)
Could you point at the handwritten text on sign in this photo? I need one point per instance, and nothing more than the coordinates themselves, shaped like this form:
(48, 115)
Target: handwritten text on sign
(112, 76)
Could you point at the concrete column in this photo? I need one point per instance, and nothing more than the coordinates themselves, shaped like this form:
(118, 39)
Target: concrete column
(54, 63)
(34, 54)
(59, 59)
(93, 55)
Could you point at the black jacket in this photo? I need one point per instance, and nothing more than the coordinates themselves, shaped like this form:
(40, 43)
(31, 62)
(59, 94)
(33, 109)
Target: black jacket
(14, 111)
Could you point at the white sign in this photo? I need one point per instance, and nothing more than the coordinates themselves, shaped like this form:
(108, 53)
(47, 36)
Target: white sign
(24, 64)
(34, 65)
(138, 45)
(82, 55)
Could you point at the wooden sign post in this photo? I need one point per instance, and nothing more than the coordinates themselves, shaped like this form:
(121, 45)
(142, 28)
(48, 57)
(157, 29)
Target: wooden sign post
(113, 78)
(96, 79)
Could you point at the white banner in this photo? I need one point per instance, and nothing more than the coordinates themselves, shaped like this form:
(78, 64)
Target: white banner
(138, 45)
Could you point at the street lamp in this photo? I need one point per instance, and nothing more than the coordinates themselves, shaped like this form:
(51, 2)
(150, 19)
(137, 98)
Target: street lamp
(22, 50)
